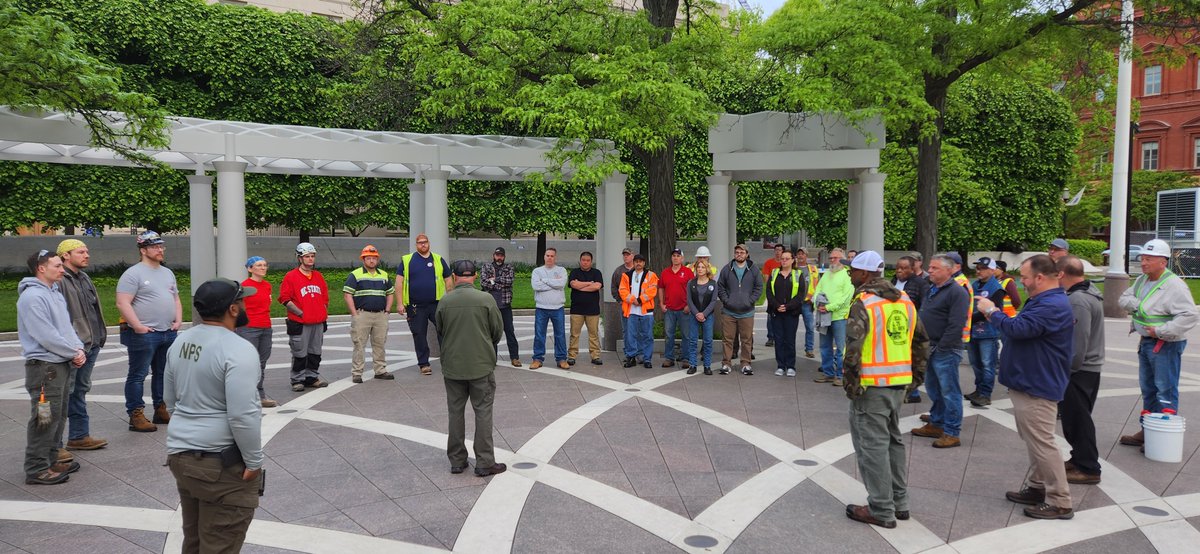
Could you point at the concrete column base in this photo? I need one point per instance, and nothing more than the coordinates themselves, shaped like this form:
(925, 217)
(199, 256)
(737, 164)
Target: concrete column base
(1115, 284)
(610, 325)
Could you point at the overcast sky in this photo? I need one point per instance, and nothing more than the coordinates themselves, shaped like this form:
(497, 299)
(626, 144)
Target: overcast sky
(768, 6)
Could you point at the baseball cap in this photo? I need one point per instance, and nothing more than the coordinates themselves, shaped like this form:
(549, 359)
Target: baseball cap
(1060, 243)
(868, 260)
(675, 251)
(499, 250)
(464, 268)
(216, 295)
(1157, 247)
(986, 261)
(625, 251)
(637, 257)
(955, 257)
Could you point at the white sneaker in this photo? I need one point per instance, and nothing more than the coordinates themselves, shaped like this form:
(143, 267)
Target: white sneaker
(791, 372)
(779, 372)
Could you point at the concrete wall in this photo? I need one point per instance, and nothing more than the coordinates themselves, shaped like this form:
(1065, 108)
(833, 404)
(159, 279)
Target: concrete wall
(343, 251)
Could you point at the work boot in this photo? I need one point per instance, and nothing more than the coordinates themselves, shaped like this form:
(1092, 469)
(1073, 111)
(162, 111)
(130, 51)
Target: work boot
(1136, 439)
(161, 415)
(86, 443)
(947, 441)
(928, 430)
(139, 423)
(64, 457)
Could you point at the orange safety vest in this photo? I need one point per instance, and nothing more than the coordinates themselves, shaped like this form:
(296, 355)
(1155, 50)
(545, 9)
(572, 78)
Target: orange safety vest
(966, 284)
(887, 348)
(1006, 305)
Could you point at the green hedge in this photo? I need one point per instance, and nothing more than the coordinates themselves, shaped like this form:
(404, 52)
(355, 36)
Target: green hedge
(1088, 249)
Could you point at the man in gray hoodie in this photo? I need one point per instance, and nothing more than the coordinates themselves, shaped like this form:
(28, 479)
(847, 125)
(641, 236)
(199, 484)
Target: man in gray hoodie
(1087, 304)
(52, 352)
(549, 283)
(738, 286)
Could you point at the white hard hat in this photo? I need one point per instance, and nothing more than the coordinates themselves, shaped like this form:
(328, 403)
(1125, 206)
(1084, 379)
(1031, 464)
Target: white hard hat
(703, 252)
(1157, 247)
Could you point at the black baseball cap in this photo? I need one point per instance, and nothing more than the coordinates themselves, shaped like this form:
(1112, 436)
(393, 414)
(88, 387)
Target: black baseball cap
(639, 257)
(499, 250)
(464, 268)
(216, 295)
(676, 251)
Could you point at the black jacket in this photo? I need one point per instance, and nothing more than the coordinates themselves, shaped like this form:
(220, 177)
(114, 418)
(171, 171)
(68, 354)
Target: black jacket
(917, 288)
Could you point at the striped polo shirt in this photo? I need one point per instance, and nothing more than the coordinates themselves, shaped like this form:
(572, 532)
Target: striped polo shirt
(370, 290)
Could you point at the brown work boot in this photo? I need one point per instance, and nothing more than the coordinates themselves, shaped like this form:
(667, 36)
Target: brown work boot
(64, 457)
(161, 415)
(139, 423)
(928, 430)
(1046, 511)
(947, 441)
(1077, 477)
(1136, 439)
(86, 443)
(536, 364)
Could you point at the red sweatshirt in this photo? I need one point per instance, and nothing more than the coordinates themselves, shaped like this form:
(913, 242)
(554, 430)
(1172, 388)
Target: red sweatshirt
(674, 287)
(310, 294)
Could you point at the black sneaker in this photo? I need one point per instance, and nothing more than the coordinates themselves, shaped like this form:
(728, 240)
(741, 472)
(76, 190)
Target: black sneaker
(770, 342)
(707, 370)
(356, 379)
(570, 361)
(981, 401)
(629, 362)
(691, 371)
(648, 365)
(912, 399)
(1027, 495)
(597, 361)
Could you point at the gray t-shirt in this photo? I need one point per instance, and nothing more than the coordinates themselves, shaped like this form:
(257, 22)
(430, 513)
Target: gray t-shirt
(211, 389)
(154, 292)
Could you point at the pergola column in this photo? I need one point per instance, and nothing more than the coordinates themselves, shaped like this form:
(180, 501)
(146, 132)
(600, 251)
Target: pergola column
(203, 245)
(231, 219)
(718, 216)
(613, 232)
(854, 216)
(437, 212)
(416, 212)
(871, 210)
(732, 233)
(600, 260)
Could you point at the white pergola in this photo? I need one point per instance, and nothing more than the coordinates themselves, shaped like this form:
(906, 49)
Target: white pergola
(232, 149)
(778, 146)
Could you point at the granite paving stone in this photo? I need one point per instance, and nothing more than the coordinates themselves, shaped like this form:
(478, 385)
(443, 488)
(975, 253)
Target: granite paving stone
(557, 522)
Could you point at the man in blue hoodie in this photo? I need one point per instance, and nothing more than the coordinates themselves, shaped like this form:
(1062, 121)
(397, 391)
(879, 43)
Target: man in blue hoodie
(52, 352)
(1035, 366)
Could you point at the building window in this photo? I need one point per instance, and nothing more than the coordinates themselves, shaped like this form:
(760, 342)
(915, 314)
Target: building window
(1196, 153)
(1198, 72)
(1150, 155)
(1153, 81)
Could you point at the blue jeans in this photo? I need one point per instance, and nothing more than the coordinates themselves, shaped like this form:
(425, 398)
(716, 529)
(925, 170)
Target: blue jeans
(806, 312)
(673, 320)
(785, 325)
(78, 421)
(557, 319)
(702, 330)
(982, 353)
(1158, 375)
(639, 337)
(941, 383)
(147, 355)
(831, 361)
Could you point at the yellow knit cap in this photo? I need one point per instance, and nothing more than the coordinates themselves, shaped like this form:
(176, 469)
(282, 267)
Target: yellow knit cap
(69, 245)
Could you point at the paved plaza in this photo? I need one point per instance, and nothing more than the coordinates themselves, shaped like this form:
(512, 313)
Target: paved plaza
(602, 459)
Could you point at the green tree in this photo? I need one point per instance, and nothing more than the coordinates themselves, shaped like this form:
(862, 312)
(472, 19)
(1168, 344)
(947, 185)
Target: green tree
(901, 58)
(44, 68)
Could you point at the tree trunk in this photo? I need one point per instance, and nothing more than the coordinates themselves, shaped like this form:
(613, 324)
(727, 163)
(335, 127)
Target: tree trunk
(541, 249)
(660, 171)
(305, 235)
(69, 230)
(929, 174)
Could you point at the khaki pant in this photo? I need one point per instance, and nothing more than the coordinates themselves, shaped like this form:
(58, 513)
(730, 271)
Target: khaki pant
(593, 328)
(1035, 424)
(372, 326)
(743, 327)
(217, 504)
(879, 448)
(482, 394)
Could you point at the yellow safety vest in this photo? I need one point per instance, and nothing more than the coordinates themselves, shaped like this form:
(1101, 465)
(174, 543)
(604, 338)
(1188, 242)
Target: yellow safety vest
(439, 277)
(1139, 315)
(795, 282)
(812, 283)
(966, 284)
(1006, 305)
(887, 355)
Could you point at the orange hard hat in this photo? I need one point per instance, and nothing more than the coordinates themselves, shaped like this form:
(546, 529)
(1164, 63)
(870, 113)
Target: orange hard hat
(369, 250)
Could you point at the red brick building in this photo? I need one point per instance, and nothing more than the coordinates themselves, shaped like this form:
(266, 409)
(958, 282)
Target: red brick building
(1169, 127)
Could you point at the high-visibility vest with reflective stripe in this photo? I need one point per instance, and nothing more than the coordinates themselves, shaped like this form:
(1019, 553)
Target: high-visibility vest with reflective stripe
(887, 348)
(966, 284)
(438, 277)
(1139, 315)
(795, 282)
(812, 283)
(1006, 305)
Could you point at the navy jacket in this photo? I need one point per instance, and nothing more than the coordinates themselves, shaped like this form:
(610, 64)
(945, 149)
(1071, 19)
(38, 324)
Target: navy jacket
(944, 314)
(1038, 344)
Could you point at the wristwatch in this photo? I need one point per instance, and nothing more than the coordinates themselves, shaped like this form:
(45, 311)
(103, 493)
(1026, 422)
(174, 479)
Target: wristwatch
(991, 311)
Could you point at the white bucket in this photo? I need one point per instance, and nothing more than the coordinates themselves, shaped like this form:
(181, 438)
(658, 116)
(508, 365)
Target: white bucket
(1164, 437)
